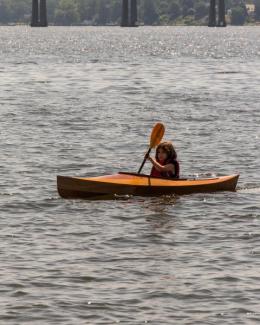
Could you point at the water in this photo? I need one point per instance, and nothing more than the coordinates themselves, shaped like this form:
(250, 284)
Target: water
(82, 101)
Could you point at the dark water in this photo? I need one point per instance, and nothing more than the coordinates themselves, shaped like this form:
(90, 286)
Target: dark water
(82, 101)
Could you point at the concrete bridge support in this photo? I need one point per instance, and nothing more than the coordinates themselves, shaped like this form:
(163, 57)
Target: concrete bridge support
(125, 6)
(126, 9)
(221, 14)
(133, 13)
(39, 14)
(212, 13)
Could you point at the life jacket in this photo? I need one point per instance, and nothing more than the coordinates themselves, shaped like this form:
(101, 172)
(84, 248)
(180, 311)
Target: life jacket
(168, 174)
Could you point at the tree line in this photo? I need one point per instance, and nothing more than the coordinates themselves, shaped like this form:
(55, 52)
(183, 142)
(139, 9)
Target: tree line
(108, 12)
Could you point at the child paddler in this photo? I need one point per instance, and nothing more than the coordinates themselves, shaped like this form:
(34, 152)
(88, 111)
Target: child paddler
(165, 163)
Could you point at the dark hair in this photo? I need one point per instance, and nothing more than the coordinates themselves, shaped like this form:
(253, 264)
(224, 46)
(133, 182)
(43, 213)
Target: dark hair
(167, 147)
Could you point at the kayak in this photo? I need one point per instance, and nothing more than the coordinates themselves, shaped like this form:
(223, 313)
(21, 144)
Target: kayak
(139, 185)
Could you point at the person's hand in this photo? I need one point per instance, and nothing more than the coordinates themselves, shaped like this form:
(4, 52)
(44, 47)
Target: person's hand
(147, 156)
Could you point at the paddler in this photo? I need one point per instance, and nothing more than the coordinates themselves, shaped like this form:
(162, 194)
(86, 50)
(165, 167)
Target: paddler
(165, 163)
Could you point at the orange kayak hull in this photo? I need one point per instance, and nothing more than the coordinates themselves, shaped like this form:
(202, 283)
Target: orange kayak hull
(139, 185)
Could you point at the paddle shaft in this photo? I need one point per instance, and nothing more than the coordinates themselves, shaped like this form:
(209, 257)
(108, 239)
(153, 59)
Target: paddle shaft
(148, 152)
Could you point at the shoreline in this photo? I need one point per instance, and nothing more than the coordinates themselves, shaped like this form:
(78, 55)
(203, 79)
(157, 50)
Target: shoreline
(140, 25)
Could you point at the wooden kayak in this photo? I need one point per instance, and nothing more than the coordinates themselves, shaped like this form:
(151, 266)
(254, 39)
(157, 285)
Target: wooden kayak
(140, 185)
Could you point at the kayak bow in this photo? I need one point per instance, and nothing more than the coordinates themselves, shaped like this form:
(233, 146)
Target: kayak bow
(140, 185)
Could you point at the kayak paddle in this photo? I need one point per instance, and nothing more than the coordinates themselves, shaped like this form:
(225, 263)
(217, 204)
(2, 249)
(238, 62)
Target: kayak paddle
(155, 139)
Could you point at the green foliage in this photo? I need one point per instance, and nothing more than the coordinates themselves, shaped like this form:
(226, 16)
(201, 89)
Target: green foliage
(151, 16)
(187, 5)
(11, 10)
(174, 9)
(238, 16)
(66, 12)
(201, 10)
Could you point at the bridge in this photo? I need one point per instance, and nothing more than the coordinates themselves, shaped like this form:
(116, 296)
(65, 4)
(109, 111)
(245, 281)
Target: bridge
(129, 13)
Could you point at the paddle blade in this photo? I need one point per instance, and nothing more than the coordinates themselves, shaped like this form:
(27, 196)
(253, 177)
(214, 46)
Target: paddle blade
(157, 135)
(155, 139)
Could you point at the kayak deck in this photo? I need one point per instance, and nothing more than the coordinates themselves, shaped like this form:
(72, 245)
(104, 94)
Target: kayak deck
(140, 185)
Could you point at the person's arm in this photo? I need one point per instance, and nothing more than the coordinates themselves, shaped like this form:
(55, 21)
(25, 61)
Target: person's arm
(161, 168)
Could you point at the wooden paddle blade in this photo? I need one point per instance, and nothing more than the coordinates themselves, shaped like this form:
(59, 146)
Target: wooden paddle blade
(155, 139)
(157, 135)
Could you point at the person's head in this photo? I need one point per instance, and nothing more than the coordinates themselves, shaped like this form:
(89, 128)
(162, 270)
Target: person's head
(165, 151)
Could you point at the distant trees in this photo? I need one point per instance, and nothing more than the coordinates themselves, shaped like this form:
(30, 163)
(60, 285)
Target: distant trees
(170, 9)
(187, 7)
(174, 9)
(4, 13)
(66, 13)
(102, 12)
(12, 10)
(150, 12)
(238, 15)
(201, 9)
(115, 11)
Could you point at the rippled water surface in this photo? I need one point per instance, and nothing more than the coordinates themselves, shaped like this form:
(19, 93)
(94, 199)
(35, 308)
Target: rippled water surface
(82, 101)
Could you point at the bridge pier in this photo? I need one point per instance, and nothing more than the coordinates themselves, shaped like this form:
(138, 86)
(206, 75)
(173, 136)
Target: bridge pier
(125, 5)
(221, 14)
(212, 13)
(39, 17)
(133, 16)
(126, 20)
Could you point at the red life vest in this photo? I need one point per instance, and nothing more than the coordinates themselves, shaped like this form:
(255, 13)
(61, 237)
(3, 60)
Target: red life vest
(168, 174)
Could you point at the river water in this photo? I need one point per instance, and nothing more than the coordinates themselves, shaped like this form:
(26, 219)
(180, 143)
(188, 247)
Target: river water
(82, 101)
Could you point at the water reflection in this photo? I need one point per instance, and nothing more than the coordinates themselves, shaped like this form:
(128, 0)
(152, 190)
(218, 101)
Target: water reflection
(161, 212)
(161, 221)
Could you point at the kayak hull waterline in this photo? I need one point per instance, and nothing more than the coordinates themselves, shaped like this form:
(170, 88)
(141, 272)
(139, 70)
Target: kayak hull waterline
(140, 185)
